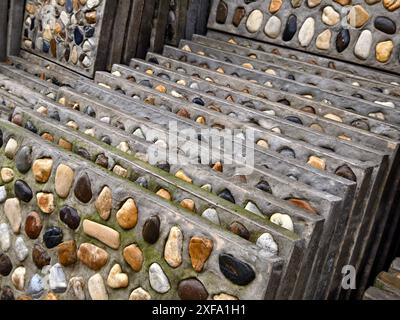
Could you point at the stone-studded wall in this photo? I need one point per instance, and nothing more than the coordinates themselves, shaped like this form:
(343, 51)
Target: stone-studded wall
(66, 31)
(365, 32)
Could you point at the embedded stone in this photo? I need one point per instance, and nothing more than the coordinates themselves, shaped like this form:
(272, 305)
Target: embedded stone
(83, 189)
(22, 191)
(12, 210)
(92, 256)
(235, 270)
(151, 230)
(303, 205)
(36, 286)
(139, 294)
(238, 16)
(363, 45)
(63, 180)
(104, 234)
(323, 41)
(127, 216)
(70, 217)
(7, 294)
(211, 215)
(357, 16)
(188, 204)
(104, 203)
(275, 6)
(5, 265)
(192, 289)
(273, 27)
(306, 32)
(134, 257)
(384, 50)
(343, 2)
(222, 12)
(344, 171)
(45, 202)
(52, 237)
(391, 5)
(240, 230)
(20, 249)
(199, 251)
(290, 28)
(173, 248)
(67, 253)
(330, 16)
(57, 279)
(76, 285)
(96, 288)
(282, 220)
(252, 207)
(116, 279)
(40, 256)
(33, 225)
(42, 170)
(18, 278)
(158, 280)
(268, 245)
(224, 297)
(3, 194)
(254, 21)
(11, 148)
(227, 195)
(182, 175)
(313, 3)
(7, 175)
(164, 194)
(5, 237)
(317, 163)
(385, 25)
(342, 40)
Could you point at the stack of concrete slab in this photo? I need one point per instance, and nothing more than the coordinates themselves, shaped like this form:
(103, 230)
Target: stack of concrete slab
(104, 182)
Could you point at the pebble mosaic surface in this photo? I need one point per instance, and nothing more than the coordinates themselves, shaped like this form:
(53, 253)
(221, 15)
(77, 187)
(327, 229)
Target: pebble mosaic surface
(366, 32)
(65, 31)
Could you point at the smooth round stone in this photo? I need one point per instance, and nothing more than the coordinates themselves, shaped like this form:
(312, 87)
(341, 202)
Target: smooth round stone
(139, 294)
(21, 251)
(342, 40)
(357, 16)
(238, 16)
(294, 119)
(306, 32)
(36, 287)
(67, 253)
(227, 195)
(323, 41)
(275, 6)
(97, 288)
(63, 180)
(273, 27)
(287, 152)
(33, 225)
(83, 189)
(267, 244)
(192, 289)
(5, 237)
(11, 148)
(76, 285)
(305, 205)
(70, 217)
(116, 279)
(3, 194)
(391, 5)
(127, 216)
(42, 170)
(330, 16)
(92, 256)
(7, 294)
(173, 248)
(12, 210)
(345, 172)
(78, 36)
(384, 51)
(103, 233)
(282, 220)
(104, 203)
(45, 202)
(385, 25)
(52, 237)
(199, 251)
(5, 265)
(235, 270)
(254, 21)
(290, 28)
(240, 230)
(151, 230)
(57, 279)
(211, 215)
(264, 186)
(158, 280)
(252, 207)
(22, 191)
(7, 175)
(23, 159)
(40, 256)
(363, 46)
(18, 278)
(222, 12)
(313, 3)
(134, 257)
